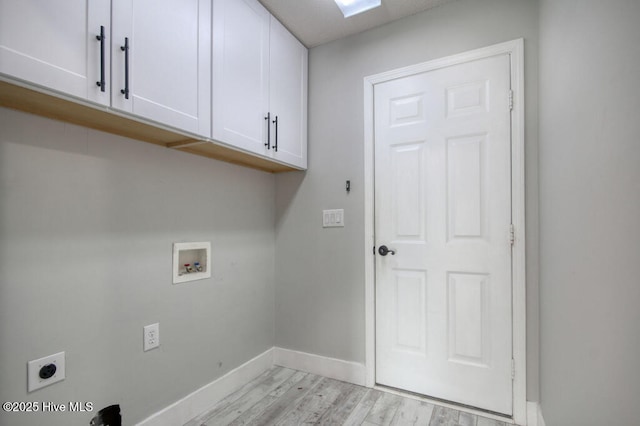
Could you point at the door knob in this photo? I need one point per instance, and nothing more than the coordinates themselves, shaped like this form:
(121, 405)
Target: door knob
(383, 250)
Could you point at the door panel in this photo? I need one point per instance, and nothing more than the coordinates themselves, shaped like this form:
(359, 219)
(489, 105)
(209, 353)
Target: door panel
(409, 310)
(466, 191)
(408, 200)
(443, 203)
(468, 327)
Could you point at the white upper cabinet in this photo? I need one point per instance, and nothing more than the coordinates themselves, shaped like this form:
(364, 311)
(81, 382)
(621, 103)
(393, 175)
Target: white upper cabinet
(161, 61)
(56, 44)
(288, 96)
(240, 74)
(259, 83)
(222, 71)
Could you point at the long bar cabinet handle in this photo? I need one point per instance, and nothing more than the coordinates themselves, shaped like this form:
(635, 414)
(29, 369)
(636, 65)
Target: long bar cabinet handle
(101, 38)
(125, 49)
(268, 118)
(275, 146)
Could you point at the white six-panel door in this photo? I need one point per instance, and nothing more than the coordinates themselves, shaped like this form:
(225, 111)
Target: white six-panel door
(443, 204)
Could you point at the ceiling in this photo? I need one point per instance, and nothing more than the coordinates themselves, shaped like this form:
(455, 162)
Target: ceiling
(316, 22)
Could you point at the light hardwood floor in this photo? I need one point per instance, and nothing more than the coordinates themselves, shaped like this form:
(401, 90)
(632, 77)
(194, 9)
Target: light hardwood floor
(282, 396)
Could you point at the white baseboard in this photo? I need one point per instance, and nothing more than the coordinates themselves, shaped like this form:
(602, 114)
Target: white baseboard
(534, 414)
(346, 371)
(540, 418)
(203, 399)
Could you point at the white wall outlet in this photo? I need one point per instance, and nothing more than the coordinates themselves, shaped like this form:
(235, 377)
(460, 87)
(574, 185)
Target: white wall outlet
(151, 336)
(333, 218)
(45, 371)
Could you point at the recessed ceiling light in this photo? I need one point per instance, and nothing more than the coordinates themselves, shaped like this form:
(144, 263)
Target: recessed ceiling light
(353, 7)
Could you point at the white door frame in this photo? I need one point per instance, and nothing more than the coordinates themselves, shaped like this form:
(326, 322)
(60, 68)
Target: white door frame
(515, 49)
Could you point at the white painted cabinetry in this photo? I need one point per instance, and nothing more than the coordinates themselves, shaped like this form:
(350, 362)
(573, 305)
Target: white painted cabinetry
(161, 61)
(76, 47)
(288, 95)
(259, 83)
(55, 44)
(240, 74)
(223, 77)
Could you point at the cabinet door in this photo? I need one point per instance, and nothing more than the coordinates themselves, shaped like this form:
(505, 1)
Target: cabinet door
(241, 74)
(52, 43)
(288, 95)
(169, 57)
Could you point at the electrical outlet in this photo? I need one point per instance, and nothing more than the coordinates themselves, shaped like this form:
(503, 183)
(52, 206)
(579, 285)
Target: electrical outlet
(45, 371)
(151, 336)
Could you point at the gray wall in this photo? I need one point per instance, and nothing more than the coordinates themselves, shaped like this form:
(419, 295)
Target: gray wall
(87, 222)
(320, 273)
(590, 212)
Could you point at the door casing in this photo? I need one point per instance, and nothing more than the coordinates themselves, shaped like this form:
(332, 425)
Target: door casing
(515, 49)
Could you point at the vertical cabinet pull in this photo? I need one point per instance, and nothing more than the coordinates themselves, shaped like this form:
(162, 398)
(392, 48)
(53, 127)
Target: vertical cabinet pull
(275, 146)
(125, 49)
(268, 118)
(101, 39)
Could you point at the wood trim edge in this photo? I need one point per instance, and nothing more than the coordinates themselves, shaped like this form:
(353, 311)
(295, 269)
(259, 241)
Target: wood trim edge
(55, 106)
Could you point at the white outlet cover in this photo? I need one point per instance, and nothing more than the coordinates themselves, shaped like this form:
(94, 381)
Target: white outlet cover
(151, 337)
(34, 381)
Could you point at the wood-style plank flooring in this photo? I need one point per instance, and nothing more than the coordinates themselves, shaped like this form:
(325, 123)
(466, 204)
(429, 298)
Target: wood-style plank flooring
(282, 396)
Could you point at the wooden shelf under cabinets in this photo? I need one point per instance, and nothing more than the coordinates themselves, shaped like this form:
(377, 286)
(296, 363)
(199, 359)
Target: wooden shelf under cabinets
(46, 105)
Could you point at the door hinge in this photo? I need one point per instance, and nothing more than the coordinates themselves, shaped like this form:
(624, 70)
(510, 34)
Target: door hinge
(513, 369)
(510, 100)
(512, 235)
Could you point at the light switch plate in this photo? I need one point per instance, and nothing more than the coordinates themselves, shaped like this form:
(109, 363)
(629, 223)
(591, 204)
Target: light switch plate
(34, 381)
(333, 218)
